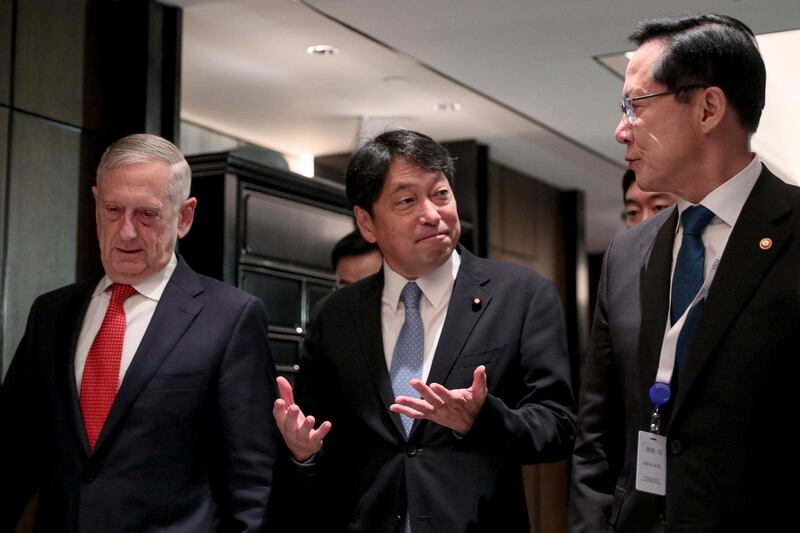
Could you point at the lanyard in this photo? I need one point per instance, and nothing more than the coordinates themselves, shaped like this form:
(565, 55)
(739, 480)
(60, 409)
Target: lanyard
(660, 390)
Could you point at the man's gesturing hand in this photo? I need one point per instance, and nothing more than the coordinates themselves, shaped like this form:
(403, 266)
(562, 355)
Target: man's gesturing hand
(297, 429)
(455, 409)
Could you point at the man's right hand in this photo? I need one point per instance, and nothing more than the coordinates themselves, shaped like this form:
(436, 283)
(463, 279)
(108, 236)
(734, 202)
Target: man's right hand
(297, 429)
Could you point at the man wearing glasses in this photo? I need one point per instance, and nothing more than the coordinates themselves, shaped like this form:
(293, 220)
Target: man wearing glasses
(695, 344)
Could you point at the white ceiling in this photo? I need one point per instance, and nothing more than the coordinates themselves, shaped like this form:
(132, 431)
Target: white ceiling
(523, 70)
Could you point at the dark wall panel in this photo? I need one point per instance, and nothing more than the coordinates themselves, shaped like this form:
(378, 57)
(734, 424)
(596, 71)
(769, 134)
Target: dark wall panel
(4, 115)
(294, 232)
(49, 65)
(42, 226)
(6, 10)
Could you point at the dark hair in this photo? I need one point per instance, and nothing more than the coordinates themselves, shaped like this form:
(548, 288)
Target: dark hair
(350, 245)
(369, 166)
(627, 180)
(709, 50)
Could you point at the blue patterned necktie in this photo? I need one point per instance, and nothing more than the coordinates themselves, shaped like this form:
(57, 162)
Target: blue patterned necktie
(688, 278)
(409, 350)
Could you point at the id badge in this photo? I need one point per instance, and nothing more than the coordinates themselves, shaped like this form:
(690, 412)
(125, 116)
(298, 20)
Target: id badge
(651, 463)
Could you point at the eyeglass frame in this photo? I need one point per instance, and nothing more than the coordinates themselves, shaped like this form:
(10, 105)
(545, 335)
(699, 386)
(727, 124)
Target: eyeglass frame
(626, 102)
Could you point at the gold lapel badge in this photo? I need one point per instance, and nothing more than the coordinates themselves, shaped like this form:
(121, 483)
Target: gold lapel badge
(476, 304)
(765, 243)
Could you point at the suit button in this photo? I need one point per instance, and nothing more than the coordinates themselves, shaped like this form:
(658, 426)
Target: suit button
(89, 476)
(397, 519)
(663, 517)
(675, 447)
(411, 451)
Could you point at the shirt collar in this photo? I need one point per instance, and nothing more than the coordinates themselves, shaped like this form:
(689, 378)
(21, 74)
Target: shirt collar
(151, 287)
(727, 200)
(434, 285)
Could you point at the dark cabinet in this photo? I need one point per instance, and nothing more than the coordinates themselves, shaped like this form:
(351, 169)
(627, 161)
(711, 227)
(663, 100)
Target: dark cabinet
(269, 232)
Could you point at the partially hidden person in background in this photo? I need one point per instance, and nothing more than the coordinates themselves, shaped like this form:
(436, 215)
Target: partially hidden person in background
(354, 258)
(641, 205)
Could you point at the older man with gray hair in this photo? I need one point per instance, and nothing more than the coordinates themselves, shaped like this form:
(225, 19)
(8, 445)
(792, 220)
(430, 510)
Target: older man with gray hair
(140, 401)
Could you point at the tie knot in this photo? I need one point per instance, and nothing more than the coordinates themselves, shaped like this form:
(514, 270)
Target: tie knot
(120, 293)
(410, 295)
(695, 219)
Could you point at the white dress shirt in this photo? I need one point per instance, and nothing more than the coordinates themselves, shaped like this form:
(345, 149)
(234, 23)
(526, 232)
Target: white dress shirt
(139, 309)
(436, 286)
(726, 202)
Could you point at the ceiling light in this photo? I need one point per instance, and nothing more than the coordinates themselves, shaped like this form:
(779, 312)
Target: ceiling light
(322, 50)
(447, 107)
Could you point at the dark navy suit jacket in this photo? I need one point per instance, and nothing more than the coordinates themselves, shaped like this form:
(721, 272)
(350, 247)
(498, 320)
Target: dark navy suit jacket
(369, 475)
(189, 443)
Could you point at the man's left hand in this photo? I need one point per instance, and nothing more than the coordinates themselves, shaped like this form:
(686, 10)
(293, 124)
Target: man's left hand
(455, 409)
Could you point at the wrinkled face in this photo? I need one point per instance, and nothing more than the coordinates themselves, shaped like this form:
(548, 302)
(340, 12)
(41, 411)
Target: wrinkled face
(640, 205)
(414, 220)
(660, 141)
(137, 223)
(352, 268)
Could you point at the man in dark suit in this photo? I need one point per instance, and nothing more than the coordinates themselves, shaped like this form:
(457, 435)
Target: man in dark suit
(431, 444)
(140, 402)
(712, 458)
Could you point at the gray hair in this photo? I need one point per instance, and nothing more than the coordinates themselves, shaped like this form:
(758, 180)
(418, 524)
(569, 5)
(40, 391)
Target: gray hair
(147, 148)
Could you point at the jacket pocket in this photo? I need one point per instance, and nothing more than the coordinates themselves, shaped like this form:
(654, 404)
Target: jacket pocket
(480, 357)
(176, 382)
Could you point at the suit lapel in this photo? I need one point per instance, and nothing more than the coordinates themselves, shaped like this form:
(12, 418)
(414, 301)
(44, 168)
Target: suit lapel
(740, 272)
(654, 299)
(366, 315)
(175, 311)
(69, 340)
(462, 316)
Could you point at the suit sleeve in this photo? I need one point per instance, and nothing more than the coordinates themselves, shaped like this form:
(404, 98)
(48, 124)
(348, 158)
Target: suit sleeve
(299, 504)
(540, 426)
(593, 477)
(250, 438)
(18, 444)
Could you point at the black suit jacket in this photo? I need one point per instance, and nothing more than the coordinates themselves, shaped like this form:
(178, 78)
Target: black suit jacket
(189, 443)
(368, 474)
(726, 460)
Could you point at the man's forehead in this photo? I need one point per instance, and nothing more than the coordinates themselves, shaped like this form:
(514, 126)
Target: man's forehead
(404, 174)
(639, 73)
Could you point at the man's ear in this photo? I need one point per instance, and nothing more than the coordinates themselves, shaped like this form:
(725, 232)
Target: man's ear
(186, 216)
(713, 107)
(365, 224)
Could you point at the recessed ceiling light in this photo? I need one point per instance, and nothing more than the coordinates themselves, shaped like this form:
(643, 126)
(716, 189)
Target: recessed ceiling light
(447, 107)
(322, 50)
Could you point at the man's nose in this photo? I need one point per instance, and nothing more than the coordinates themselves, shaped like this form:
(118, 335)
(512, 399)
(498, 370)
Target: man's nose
(128, 229)
(623, 134)
(430, 213)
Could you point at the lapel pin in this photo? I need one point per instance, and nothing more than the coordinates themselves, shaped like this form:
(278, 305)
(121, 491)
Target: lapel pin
(476, 304)
(765, 243)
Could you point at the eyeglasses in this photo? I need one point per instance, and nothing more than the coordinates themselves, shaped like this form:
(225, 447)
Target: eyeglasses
(626, 103)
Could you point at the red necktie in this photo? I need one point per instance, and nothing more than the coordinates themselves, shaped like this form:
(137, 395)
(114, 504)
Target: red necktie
(101, 373)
